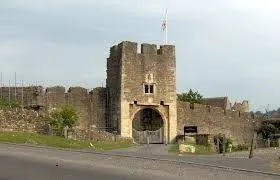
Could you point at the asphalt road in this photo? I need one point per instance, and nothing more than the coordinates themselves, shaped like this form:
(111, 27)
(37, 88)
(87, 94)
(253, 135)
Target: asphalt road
(29, 163)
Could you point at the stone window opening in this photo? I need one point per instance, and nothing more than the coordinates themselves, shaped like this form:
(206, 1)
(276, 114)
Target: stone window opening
(146, 88)
(149, 88)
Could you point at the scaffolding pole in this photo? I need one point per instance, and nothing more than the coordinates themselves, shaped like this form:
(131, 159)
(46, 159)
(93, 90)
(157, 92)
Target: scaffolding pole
(9, 93)
(22, 93)
(15, 86)
(1, 88)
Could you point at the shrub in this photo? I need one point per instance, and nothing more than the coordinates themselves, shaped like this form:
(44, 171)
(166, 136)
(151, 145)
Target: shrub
(274, 143)
(218, 140)
(62, 117)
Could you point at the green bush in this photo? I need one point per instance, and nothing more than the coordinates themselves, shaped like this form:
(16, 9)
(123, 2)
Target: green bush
(274, 143)
(62, 117)
(218, 140)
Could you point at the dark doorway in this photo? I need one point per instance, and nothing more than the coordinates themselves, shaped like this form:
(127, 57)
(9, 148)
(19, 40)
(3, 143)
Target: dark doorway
(147, 127)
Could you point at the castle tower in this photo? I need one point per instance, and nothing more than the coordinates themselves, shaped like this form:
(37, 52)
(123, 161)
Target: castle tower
(141, 90)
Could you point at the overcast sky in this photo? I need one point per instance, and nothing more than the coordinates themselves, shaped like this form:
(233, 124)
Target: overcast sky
(223, 47)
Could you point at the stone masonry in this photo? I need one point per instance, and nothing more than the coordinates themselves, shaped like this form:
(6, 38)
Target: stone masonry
(137, 81)
(129, 73)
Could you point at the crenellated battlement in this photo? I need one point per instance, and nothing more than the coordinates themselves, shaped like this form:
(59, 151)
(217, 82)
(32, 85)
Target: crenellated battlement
(214, 111)
(127, 47)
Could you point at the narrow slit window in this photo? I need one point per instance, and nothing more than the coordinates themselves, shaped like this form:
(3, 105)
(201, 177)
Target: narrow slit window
(146, 88)
(151, 88)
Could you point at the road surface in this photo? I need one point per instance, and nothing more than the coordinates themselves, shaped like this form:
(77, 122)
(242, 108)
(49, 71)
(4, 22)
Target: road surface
(31, 163)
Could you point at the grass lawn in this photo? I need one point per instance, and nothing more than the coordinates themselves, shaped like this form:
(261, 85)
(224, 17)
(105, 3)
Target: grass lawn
(54, 141)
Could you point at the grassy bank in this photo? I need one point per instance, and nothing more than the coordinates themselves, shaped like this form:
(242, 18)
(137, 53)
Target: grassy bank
(199, 149)
(54, 141)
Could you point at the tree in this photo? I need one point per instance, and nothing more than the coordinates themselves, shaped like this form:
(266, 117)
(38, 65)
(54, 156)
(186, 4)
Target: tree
(258, 113)
(62, 117)
(191, 96)
(267, 130)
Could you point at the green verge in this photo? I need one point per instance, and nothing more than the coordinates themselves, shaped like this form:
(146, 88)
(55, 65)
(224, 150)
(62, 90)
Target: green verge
(199, 149)
(59, 142)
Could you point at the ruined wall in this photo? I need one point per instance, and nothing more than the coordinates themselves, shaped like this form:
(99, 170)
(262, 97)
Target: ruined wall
(78, 97)
(243, 107)
(91, 107)
(26, 96)
(55, 97)
(98, 106)
(214, 120)
(21, 120)
(222, 102)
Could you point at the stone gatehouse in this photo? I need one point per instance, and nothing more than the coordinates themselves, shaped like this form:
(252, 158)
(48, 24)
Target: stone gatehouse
(140, 97)
(141, 86)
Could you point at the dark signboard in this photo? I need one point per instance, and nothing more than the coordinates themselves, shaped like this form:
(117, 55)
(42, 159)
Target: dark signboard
(190, 129)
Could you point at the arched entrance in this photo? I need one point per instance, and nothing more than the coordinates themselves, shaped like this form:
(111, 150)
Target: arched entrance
(148, 127)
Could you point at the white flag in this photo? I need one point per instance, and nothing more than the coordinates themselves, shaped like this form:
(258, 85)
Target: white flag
(164, 23)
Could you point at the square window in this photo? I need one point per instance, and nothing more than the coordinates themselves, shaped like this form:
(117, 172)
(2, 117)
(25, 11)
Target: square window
(151, 88)
(146, 88)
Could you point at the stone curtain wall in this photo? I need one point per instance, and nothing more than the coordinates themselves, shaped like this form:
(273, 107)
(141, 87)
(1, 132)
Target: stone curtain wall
(90, 134)
(214, 120)
(21, 120)
(78, 97)
(98, 108)
(27, 96)
(91, 106)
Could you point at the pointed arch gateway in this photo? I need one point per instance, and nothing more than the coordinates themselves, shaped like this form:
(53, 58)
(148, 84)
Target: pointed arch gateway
(148, 127)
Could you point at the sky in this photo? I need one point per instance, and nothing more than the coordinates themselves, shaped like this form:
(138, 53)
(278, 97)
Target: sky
(223, 47)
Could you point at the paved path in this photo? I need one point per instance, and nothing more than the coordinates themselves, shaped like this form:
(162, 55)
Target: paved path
(146, 150)
(30, 163)
(263, 160)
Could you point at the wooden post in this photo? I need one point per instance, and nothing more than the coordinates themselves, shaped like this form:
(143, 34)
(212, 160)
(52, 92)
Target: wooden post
(224, 145)
(252, 142)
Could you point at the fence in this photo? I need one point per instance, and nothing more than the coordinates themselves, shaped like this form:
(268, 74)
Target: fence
(267, 143)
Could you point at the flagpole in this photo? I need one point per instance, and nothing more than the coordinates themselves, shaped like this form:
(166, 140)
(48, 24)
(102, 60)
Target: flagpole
(166, 28)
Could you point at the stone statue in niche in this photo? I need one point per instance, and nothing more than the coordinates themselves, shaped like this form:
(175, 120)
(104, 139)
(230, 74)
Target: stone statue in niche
(149, 78)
